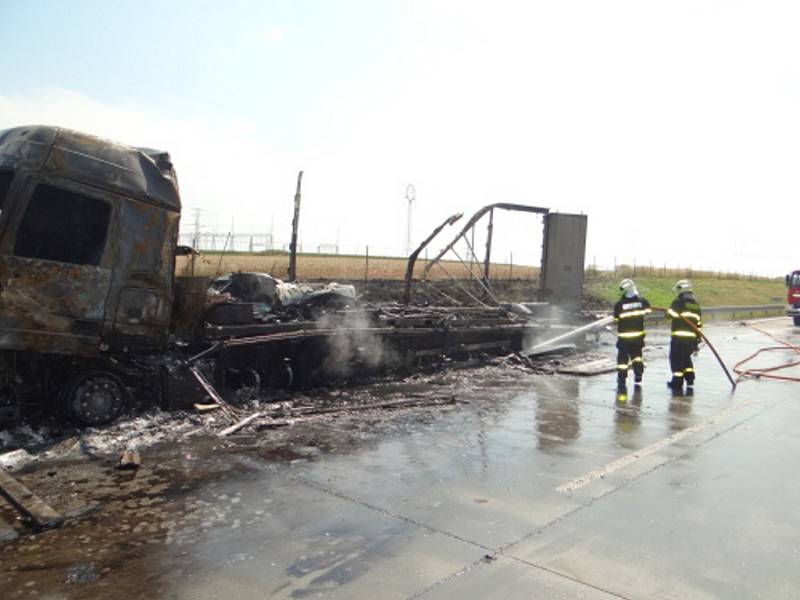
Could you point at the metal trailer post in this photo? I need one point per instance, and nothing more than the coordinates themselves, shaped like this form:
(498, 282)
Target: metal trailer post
(413, 256)
(487, 260)
(295, 227)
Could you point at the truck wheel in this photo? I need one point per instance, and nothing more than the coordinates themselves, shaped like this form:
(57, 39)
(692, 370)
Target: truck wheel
(95, 398)
(277, 374)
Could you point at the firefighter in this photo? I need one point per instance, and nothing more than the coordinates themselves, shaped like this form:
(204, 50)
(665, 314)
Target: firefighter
(629, 313)
(684, 340)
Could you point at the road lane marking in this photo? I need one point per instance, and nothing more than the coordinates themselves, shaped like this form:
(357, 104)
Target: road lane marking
(638, 455)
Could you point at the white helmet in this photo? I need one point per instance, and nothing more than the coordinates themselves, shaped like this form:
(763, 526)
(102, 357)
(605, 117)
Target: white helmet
(628, 288)
(684, 285)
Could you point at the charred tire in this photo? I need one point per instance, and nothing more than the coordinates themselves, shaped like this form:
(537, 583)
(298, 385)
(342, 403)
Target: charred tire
(277, 374)
(95, 398)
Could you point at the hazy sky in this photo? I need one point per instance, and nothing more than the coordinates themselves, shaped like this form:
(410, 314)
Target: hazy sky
(674, 125)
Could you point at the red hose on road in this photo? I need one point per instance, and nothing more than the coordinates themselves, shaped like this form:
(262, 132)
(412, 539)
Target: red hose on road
(767, 372)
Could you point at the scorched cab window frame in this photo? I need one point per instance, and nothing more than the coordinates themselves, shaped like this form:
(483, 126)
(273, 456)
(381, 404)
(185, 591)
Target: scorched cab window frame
(63, 226)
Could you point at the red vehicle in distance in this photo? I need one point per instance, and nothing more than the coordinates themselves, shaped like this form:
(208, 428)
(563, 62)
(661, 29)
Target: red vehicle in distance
(793, 296)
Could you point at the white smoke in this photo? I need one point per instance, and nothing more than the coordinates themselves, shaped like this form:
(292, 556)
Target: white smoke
(354, 343)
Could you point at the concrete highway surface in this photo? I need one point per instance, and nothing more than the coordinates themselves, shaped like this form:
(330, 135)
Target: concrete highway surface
(536, 487)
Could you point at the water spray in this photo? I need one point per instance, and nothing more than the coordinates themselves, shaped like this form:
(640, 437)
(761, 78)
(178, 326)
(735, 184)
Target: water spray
(594, 325)
(608, 319)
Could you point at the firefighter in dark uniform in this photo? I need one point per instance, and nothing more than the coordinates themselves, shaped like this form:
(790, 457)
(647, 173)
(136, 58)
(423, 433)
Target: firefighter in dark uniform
(629, 313)
(684, 340)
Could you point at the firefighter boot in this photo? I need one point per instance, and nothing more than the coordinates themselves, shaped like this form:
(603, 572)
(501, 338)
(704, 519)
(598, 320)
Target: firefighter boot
(675, 384)
(638, 370)
(622, 377)
(689, 377)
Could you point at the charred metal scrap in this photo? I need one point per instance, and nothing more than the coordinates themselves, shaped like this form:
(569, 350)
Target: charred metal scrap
(93, 319)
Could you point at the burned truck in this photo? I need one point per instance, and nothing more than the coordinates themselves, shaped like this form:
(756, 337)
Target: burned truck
(88, 232)
(92, 315)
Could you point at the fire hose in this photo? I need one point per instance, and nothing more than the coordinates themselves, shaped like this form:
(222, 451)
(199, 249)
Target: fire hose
(699, 332)
(607, 319)
(767, 372)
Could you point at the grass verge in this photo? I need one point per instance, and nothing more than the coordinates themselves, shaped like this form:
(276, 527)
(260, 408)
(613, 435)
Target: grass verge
(603, 289)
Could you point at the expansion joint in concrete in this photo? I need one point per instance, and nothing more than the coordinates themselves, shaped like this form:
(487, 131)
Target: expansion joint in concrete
(388, 513)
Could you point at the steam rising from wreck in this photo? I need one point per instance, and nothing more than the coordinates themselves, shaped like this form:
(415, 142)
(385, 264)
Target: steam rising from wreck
(354, 345)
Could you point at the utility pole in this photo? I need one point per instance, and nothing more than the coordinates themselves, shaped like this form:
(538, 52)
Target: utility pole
(271, 232)
(295, 227)
(411, 196)
(196, 238)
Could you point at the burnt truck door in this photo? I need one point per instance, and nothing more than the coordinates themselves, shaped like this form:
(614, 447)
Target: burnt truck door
(141, 297)
(56, 258)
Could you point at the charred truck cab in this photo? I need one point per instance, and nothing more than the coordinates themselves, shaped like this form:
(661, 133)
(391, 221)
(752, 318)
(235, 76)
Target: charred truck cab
(88, 232)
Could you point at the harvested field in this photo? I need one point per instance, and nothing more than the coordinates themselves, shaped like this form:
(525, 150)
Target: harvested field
(381, 272)
(339, 267)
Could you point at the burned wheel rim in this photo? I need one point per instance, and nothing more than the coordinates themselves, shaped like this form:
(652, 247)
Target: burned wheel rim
(96, 399)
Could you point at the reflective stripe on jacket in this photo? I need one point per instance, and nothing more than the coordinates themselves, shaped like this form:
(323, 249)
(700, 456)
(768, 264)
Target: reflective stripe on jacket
(685, 307)
(629, 315)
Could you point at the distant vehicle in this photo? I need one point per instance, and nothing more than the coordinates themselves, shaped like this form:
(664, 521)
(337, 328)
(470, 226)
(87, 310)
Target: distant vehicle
(793, 296)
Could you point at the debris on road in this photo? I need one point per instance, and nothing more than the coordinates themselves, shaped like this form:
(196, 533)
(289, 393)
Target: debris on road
(593, 367)
(15, 460)
(238, 425)
(299, 414)
(7, 532)
(130, 460)
(41, 515)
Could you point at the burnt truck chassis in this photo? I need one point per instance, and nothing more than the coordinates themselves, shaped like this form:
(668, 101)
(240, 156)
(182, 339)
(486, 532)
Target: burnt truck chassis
(257, 357)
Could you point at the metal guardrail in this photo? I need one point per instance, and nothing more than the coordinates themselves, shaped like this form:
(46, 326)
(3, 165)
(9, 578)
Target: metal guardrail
(712, 312)
(739, 309)
(752, 311)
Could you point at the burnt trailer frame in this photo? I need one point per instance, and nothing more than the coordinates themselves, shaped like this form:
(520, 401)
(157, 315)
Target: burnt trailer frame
(561, 275)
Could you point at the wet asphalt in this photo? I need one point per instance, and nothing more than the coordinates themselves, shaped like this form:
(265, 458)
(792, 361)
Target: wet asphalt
(534, 487)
